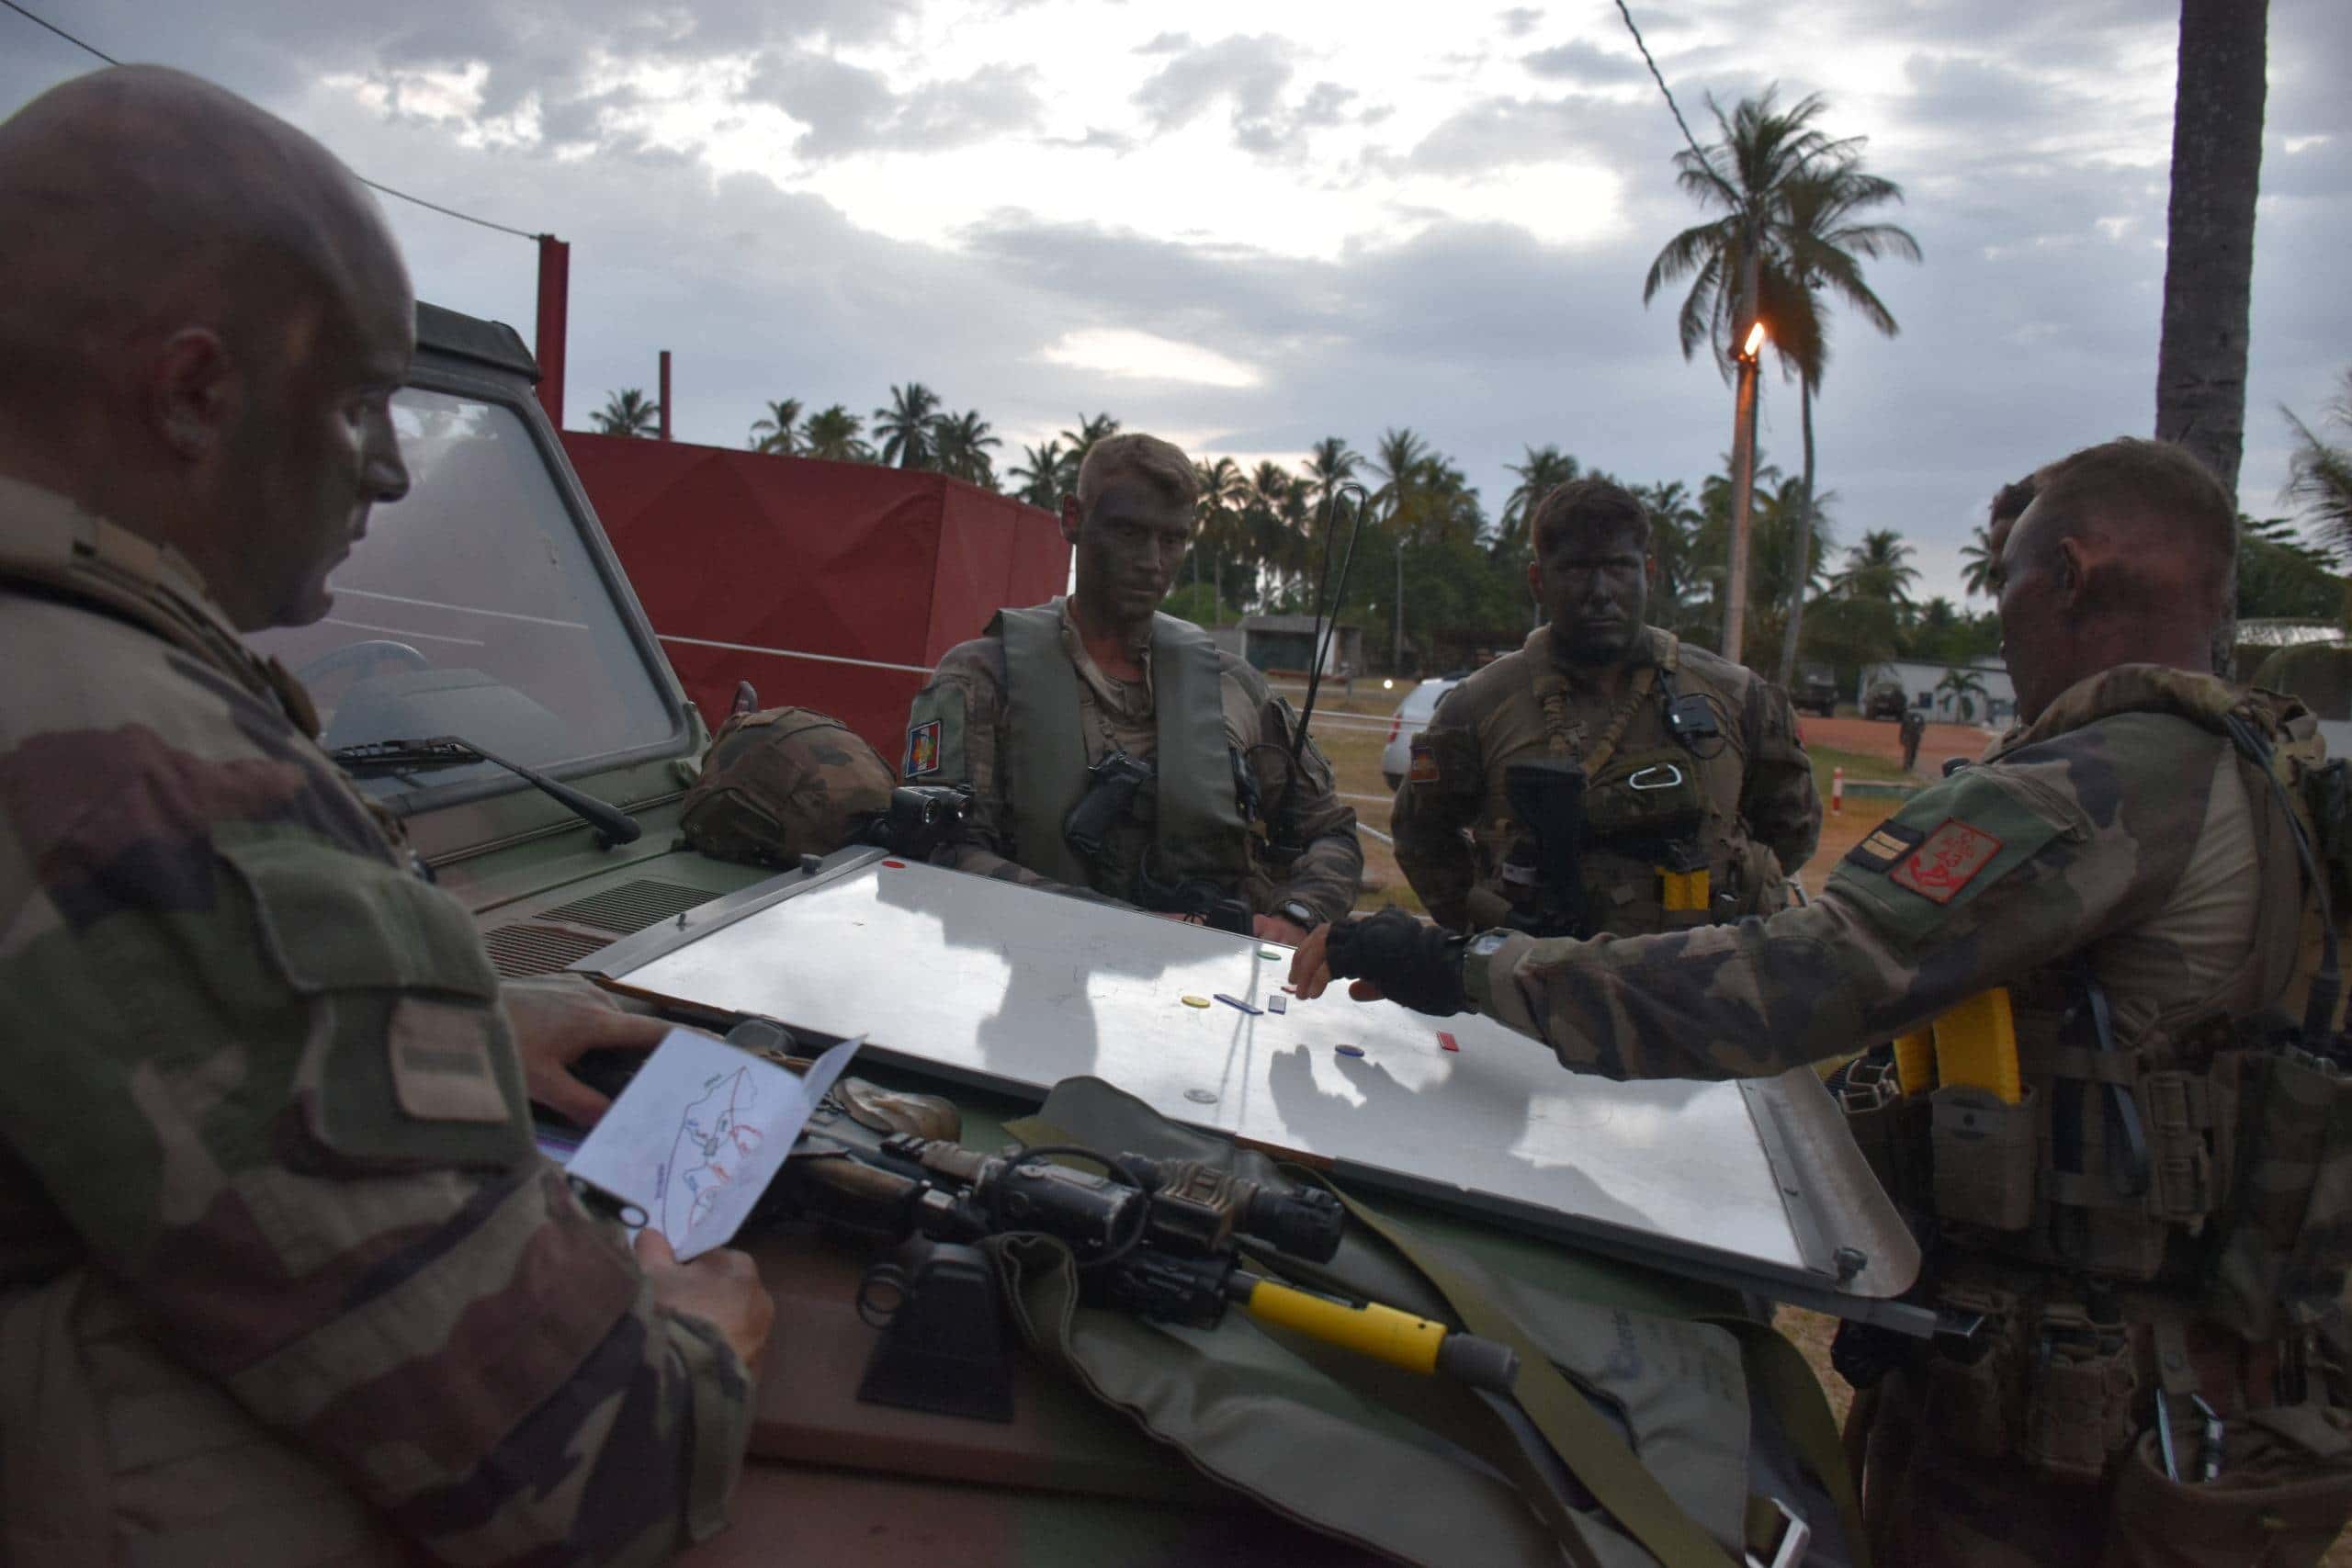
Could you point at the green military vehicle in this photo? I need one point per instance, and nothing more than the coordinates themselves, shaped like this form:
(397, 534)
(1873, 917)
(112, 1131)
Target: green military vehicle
(1624, 1238)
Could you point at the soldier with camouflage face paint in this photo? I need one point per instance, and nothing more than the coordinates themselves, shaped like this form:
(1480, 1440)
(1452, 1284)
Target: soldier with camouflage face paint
(2105, 952)
(1099, 692)
(282, 1277)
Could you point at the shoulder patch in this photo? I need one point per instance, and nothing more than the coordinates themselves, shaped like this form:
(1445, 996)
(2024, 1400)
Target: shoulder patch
(922, 750)
(1888, 844)
(1947, 861)
(1424, 769)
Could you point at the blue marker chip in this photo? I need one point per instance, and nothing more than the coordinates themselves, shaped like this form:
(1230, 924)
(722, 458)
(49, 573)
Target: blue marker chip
(1349, 1050)
(1236, 1002)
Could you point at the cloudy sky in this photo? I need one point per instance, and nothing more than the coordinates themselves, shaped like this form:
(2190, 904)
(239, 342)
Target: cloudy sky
(1246, 226)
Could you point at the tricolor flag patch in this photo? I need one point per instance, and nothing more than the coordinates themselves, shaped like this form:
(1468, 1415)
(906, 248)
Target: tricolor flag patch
(922, 750)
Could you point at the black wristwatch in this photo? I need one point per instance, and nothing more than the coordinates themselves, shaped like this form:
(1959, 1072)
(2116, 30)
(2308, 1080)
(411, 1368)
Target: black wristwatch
(1299, 915)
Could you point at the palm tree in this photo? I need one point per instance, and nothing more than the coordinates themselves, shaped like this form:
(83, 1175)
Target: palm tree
(2319, 474)
(1880, 567)
(1082, 439)
(1044, 474)
(2218, 91)
(960, 443)
(627, 413)
(1329, 465)
(905, 428)
(1978, 561)
(1960, 688)
(1397, 459)
(831, 433)
(1824, 247)
(774, 431)
(1546, 470)
(1222, 533)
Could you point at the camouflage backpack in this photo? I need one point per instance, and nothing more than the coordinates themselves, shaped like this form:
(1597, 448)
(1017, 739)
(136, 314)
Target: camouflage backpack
(782, 782)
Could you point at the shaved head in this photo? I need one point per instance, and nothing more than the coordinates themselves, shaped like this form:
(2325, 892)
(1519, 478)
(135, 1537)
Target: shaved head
(197, 287)
(2121, 556)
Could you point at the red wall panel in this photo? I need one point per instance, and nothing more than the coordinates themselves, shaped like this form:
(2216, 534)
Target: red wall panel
(823, 575)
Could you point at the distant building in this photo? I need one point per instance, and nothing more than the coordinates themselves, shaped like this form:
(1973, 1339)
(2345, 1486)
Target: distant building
(1287, 642)
(1978, 691)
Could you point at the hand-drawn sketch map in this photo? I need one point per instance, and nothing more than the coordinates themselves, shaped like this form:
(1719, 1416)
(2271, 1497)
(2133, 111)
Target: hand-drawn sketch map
(698, 1134)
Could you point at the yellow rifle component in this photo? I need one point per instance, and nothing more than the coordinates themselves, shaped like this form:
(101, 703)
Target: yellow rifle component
(1380, 1332)
(1976, 1046)
(1683, 890)
(1915, 1061)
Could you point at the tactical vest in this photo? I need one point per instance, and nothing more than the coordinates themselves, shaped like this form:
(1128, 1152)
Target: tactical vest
(100, 1424)
(2159, 1177)
(1195, 825)
(1656, 854)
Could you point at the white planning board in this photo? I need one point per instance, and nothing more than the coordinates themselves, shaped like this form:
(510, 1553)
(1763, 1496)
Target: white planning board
(1017, 988)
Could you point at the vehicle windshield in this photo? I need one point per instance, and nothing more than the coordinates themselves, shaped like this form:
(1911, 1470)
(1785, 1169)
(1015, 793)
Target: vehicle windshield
(473, 608)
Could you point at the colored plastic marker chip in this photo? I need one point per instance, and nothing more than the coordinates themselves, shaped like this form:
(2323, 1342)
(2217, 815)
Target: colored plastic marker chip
(1278, 1004)
(1447, 1042)
(1269, 953)
(1196, 1001)
(1234, 1002)
(1349, 1050)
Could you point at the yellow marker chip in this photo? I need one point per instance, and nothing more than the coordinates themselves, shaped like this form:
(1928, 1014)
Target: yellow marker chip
(1196, 1002)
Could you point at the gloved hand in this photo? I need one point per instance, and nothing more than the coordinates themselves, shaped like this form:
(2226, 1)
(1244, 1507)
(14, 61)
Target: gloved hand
(1414, 963)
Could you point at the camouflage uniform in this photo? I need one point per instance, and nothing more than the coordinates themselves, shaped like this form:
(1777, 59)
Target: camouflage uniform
(1754, 811)
(284, 1279)
(2117, 848)
(970, 688)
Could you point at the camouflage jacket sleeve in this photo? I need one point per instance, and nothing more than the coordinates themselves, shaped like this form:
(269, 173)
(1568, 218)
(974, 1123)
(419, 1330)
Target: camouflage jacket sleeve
(279, 1104)
(1980, 879)
(958, 724)
(1443, 789)
(1329, 868)
(1777, 799)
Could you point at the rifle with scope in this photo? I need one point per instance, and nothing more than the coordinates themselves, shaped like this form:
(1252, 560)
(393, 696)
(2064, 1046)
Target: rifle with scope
(1163, 1238)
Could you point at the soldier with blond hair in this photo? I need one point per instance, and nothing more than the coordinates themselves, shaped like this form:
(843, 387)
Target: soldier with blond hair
(1117, 752)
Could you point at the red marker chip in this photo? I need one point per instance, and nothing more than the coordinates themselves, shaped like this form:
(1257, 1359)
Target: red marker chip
(1447, 1042)
(896, 864)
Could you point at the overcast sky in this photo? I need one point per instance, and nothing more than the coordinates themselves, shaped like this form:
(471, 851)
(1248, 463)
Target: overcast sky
(1245, 226)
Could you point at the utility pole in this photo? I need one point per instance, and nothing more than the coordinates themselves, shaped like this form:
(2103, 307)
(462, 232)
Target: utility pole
(665, 394)
(1743, 451)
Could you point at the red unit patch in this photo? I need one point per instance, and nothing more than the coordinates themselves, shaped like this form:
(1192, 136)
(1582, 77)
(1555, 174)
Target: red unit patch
(1424, 768)
(1946, 863)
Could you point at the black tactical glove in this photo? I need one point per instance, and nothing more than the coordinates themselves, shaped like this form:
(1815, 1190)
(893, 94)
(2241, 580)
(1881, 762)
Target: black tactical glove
(1415, 963)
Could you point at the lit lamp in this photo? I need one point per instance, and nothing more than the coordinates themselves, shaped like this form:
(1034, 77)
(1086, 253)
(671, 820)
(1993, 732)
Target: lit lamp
(1743, 488)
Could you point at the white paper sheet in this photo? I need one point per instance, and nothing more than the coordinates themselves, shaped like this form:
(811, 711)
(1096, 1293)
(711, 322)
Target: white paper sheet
(698, 1134)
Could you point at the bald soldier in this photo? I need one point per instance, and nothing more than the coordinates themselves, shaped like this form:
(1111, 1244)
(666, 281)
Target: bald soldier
(282, 1276)
(1115, 752)
(2107, 950)
(1606, 777)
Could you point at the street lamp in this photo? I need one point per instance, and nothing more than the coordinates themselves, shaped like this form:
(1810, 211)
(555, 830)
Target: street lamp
(1743, 487)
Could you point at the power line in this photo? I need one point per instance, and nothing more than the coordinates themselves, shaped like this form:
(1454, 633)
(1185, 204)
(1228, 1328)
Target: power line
(371, 185)
(1656, 75)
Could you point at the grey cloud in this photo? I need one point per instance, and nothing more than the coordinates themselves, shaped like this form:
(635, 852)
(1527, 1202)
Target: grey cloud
(1504, 132)
(1166, 43)
(1585, 63)
(1251, 74)
(1519, 21)
(850, 109)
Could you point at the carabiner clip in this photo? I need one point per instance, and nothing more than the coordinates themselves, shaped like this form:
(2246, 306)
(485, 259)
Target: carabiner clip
(1673, 772)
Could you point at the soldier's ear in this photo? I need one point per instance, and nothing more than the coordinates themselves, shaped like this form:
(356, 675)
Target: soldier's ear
(1535, 582)
(193, 392)
(1071, 518)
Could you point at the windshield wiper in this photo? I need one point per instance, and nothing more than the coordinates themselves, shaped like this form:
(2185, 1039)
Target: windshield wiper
(378, 758)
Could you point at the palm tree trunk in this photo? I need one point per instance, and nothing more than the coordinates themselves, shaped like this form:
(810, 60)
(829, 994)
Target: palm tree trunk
(1802, 562)
(2209, 247)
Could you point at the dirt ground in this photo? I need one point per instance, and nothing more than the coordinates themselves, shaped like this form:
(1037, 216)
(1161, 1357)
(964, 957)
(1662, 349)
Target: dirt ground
(1353, 730)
